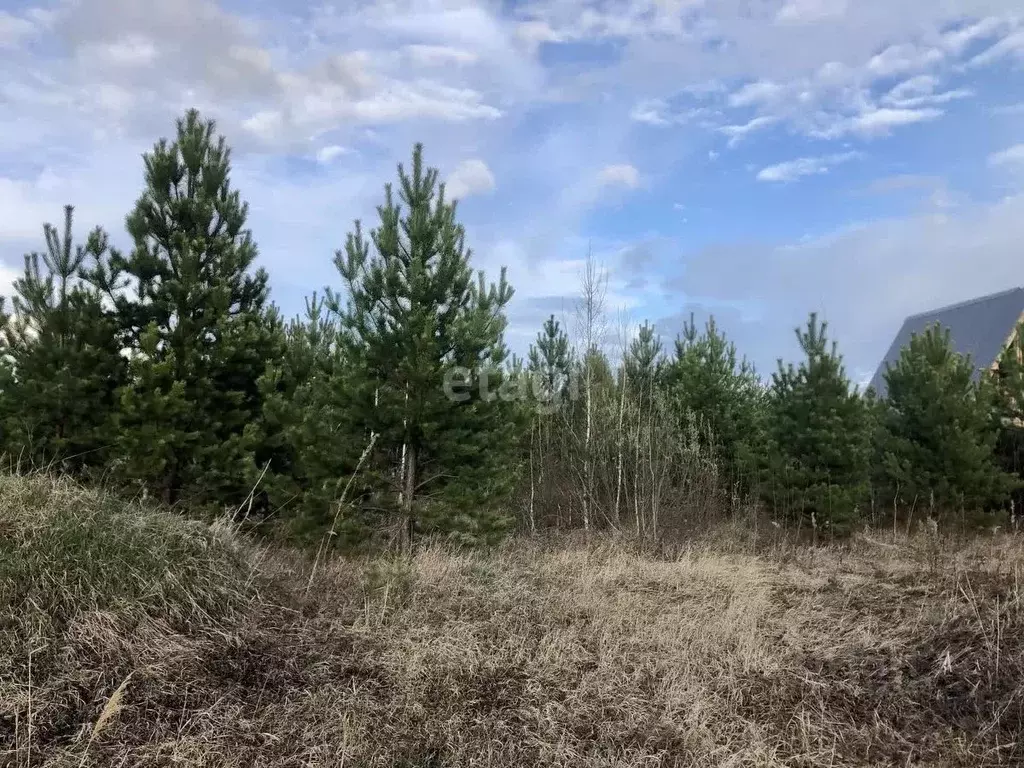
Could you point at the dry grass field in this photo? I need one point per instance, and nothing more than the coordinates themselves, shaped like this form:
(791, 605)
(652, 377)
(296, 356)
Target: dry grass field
(136, 638)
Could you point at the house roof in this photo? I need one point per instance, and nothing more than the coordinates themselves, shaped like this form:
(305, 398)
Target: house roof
(979, 328)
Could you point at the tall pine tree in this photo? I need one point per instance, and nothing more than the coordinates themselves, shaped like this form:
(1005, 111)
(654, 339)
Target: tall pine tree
(63, 358)
(820, 436)
(425, 340)
(939, 432)
(193, 313)
(707, 378)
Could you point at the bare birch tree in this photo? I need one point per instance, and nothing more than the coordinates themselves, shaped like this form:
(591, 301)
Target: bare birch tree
(591, 330)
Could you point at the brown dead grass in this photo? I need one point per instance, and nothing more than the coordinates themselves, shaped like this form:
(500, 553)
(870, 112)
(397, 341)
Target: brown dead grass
(535, 654)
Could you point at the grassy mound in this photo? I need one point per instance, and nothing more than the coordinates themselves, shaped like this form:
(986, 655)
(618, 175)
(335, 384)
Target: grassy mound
(66, 551)
(84, 579)
(155, 641)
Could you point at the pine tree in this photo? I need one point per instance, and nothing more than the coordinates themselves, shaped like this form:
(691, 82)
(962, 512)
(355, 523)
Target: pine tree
(193, 315)
(1008, 382)
(550, 363)
(416, 324)
(597, 369)
(643, 364)
(306, 437)
(820, 436)
(550, 374)
(63, 358)
(940, 434)
(707, 378)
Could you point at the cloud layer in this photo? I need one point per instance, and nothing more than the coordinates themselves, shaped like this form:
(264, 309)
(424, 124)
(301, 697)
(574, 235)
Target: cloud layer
(780, 129)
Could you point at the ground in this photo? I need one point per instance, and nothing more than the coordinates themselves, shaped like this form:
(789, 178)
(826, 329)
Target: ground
(135, 637)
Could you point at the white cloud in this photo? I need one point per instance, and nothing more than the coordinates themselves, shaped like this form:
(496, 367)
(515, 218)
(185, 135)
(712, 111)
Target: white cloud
(827, 88)
(7, 277)
(406, 101)
(650, 111)
(919, 91)
(920, 85)
(534, 33)
(658, 112)
(470, 177)
(439, 55)
(905, 57)
(810, 11)
(737, 133)
(21, 209)
(317, 106)
(267, 124)
(619, 175)
(928, 259)
(552, 286)
(876, 122)
(129, 51)
(331, 152)
(284, 80)
(957, 40)
(14, 29)
(759, 92)
(838, 99)
(109, 40)
(881, 121)
(1010, 156)
(102, 186)
(792, 170)
(1011, 46)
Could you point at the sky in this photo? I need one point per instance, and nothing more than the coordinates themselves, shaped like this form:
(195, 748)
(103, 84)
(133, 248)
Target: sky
(752, 159)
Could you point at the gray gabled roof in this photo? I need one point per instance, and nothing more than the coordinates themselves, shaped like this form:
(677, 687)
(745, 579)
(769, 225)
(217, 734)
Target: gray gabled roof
(979, 328)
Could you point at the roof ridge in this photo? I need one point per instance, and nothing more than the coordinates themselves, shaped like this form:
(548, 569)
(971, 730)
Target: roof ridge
(966, 303)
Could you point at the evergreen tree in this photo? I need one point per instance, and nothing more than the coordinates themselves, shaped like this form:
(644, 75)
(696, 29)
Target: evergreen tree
(307, 438)
(194, 316)
(63, 359)
(595, 368)
(416, 324)
(708, 379)
(550, 363)
(1008, 383)
(820, 436)
(551, 380)
(939, 432)
(1009, 380)
(643, 364)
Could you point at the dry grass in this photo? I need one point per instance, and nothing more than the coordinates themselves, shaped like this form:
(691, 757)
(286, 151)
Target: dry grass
(535, 654)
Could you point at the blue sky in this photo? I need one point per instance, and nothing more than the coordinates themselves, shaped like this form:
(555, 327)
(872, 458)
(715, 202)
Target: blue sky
(755, 159)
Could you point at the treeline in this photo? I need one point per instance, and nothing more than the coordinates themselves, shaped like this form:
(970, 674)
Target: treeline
(393, 409)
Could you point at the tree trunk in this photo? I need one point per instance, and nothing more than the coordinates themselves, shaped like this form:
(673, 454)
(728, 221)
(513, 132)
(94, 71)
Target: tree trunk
(169, 491)
(619, 437)
(637, 486)
(586, 456)
(533, 490)
(410, 489)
